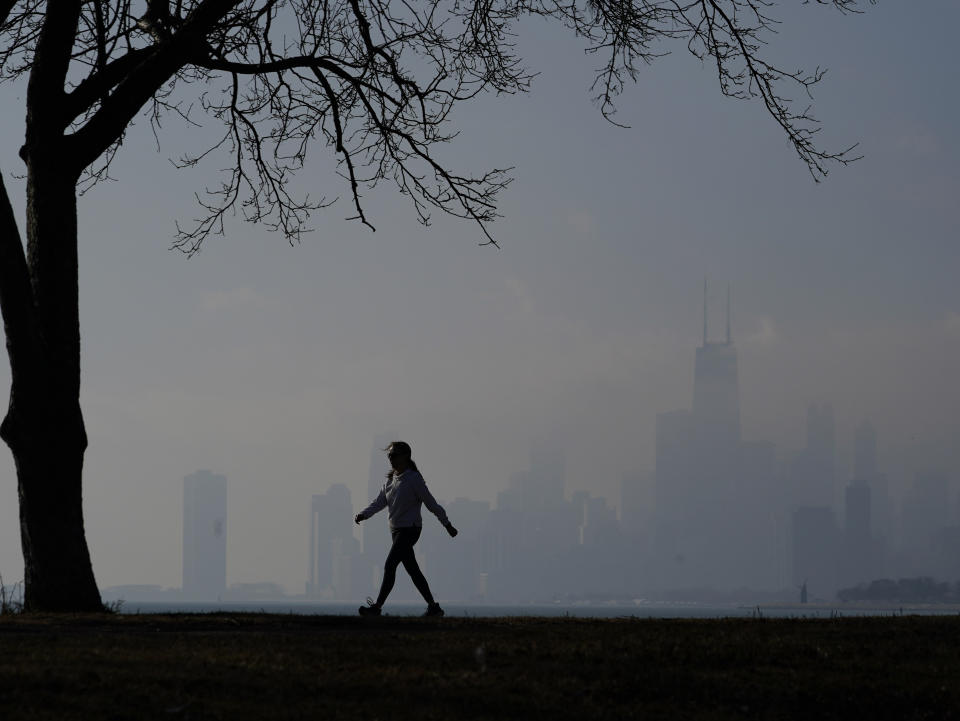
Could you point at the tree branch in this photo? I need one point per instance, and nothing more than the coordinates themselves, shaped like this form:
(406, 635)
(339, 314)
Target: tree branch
(142, 83)
(96, 86)
(6, 6)
(376, 80)
(301, 62)
(49, 72)
(340, 148)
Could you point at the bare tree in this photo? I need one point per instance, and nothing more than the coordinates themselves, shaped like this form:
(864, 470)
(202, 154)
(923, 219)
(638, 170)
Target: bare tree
(374, 80)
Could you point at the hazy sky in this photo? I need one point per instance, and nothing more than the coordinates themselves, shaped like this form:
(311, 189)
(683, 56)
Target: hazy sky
(277, 365)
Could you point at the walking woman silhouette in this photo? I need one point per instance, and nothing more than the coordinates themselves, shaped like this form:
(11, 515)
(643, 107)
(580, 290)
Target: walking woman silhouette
(402, 496)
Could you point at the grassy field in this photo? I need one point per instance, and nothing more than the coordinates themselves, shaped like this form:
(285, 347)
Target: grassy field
(260, 666)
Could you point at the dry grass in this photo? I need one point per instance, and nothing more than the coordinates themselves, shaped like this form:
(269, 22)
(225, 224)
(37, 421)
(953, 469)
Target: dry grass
(11, 598)
(259, 666)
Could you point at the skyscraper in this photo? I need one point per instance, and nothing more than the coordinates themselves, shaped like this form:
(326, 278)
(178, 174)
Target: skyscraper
(858, 534)
(204, 535)
(821, 451)
(716, 389)
(865, 452)
(675, 466)
(333, 549)
(815, 558)
(636, 494)
(866, 468)
(925, 511)
(702, 482)
(542, 487)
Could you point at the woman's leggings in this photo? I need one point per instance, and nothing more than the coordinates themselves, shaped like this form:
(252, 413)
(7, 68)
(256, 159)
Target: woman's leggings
(402, 552)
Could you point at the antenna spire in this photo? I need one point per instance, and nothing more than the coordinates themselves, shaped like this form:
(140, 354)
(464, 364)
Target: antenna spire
(704, 311)
(729, 335)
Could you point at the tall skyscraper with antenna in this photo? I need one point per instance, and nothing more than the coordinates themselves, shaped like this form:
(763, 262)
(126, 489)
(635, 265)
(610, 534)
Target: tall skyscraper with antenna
(706, 477)
(716, 388)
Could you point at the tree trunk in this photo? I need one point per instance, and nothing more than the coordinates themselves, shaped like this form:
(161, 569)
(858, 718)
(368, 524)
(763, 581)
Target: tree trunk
(44, 425)
(58, 575)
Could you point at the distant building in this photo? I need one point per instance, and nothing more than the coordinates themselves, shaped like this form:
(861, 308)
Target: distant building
(710, 528)
(500, 562)
(865, 451)
(455, 568)
(821, 452)
(333, 549)
(598, 521)
(258, 591)
(636, 509)
(675, 464)
(542, 487)
(757, 522)
(523, 542)
(946, 552)
(810, 473)
(859, 545)
(925, 512)
(815, 550)
(677, 493)
(857, 511)
(866, 468)
(204, 535)
(716, 389)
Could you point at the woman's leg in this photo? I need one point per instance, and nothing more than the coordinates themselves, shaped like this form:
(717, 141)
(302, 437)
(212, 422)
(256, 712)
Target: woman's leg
(409, 560)
(390, 566)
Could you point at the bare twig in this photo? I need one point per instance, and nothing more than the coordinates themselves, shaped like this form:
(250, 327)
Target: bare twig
(376, 81)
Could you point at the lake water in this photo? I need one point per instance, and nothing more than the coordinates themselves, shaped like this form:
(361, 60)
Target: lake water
(591, 610)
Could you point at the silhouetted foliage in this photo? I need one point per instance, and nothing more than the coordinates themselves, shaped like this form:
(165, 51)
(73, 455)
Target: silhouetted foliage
(906, 590)
(373, 80)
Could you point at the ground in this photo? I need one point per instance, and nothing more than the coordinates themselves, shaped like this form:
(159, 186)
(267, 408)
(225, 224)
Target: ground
(263, 666)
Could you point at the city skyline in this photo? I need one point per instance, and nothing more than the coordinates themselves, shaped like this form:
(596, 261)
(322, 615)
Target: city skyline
(718, 404)
(276, 365)
(726, 515)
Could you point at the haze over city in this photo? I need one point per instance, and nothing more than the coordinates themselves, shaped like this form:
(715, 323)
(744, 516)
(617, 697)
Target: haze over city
(278, 366)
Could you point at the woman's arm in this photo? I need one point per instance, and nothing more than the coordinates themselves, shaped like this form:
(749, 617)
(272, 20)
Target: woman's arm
(423, 493)
(378, 504)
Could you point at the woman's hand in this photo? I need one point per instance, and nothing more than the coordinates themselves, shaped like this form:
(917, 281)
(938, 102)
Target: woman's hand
(359, 517)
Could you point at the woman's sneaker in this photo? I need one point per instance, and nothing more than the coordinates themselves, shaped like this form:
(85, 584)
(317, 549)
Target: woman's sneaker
(371, 609)
(433, 609)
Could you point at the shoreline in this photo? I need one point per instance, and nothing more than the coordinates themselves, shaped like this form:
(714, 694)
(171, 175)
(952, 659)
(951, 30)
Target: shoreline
(641, 609)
